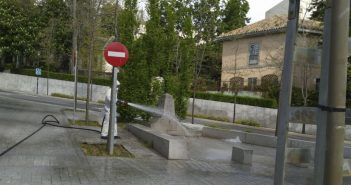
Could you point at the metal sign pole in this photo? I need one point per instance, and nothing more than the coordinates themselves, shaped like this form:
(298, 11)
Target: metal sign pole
(319, 154)
(37, 83)
(112, 121)
(285, 92)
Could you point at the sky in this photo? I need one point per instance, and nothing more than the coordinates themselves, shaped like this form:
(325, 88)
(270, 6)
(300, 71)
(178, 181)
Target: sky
(258, 8)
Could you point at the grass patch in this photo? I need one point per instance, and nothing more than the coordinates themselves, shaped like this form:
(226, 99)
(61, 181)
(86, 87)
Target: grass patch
(100, 150)
(77, 110)
(67, 96)
(147, 144)
(101, 101)
(248, 123)
(122, 125)
(216, 126)
(84, 123)
(210, 117)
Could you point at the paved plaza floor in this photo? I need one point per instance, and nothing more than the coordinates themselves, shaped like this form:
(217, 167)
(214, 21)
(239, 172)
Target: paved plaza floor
(53, 156)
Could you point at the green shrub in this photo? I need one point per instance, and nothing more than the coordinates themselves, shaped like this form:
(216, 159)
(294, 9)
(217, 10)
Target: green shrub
(248, 123)
(216, 126)
(210, 117)
(244, 100)
(67, 96)
(297, 98)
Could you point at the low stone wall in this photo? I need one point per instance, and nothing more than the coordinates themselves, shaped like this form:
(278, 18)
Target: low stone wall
(266, 117)
(28, 84)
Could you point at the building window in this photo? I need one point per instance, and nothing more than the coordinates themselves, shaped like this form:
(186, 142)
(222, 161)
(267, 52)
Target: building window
(252, 83)
(254, 50)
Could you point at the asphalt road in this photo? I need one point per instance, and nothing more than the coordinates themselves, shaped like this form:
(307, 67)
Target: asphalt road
(63, 102)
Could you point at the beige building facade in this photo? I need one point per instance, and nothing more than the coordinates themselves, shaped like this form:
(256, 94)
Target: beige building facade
(255, 53)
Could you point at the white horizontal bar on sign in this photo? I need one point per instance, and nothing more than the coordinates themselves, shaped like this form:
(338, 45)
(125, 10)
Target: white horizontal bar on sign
(116, 54)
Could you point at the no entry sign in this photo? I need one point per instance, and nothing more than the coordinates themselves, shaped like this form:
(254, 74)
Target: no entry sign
(116, 54)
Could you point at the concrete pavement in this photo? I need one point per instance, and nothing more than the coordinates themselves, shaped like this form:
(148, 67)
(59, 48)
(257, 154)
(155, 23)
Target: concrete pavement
(53, 156)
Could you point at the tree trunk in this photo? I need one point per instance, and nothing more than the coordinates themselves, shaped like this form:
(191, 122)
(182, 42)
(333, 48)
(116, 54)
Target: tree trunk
(193, 105)
(2, 60)
(24, 61)
(17, 62)
(234, 108)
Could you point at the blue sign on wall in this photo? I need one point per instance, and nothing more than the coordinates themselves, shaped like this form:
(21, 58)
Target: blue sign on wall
(38, 71)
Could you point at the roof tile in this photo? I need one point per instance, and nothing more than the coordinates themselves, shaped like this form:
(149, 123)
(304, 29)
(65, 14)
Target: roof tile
(271, 24)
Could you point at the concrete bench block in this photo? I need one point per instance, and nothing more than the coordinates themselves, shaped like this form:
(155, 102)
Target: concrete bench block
(168, 146)
(141, 132)
(261, 140)
(347, 152)
(299, 156)
(346, 167)
(241, 154)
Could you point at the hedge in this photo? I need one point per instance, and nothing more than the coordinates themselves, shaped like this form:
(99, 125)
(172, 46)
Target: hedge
(62, 76)
(244, 100)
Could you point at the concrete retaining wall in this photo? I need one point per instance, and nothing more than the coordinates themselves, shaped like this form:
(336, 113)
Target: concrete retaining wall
(28, 84)
(266, 117)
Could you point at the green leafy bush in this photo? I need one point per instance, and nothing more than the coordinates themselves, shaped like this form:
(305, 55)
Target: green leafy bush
(297, 98)
(210, 117)
(244, 100)
(248, 123)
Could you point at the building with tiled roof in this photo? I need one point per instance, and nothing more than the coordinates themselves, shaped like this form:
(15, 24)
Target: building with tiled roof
(255, 53)
(275, 24)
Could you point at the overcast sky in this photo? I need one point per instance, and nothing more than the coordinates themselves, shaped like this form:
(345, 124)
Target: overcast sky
(258, 8)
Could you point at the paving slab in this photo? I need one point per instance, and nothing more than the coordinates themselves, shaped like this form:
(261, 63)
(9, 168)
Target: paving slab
(53, 156)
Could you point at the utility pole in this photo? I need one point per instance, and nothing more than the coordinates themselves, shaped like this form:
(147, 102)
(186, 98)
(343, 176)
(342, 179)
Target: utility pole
(74, 55)
(320, 149)
(335, 108)
(285, 91)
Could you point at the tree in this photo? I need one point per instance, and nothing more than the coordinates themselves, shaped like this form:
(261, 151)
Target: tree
(234, 14)
(19, 29)
(317, 8)
(55, 37)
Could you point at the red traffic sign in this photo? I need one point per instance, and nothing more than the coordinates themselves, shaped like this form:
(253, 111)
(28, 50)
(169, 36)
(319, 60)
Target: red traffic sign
(116, 54)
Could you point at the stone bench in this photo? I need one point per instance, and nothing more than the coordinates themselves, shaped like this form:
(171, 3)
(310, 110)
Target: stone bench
(346, 168)
(241, 154)
(168, 146)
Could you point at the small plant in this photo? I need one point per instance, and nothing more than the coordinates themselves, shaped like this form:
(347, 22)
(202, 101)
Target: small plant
(244, 100)
(71, 110)
(101, 101)
(84, 123)
(122, 125)
(147, 144)
(210, 117)
(216, 126)
(67, 96)
(248, 123)
(100, 150)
